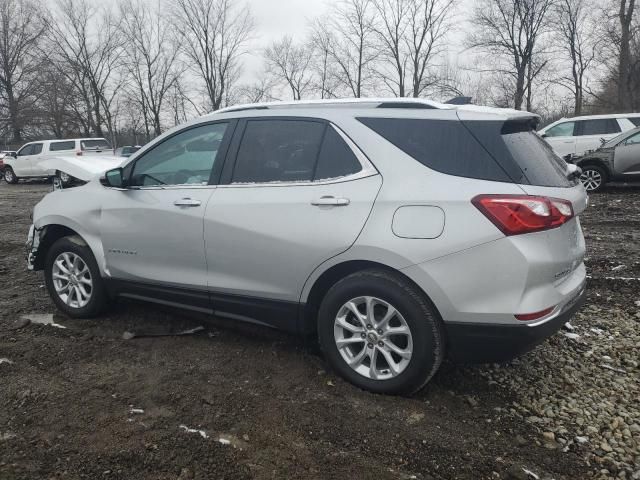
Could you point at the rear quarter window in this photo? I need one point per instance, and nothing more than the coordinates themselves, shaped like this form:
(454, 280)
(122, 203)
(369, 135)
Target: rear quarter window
(485, 150)
(442, 145)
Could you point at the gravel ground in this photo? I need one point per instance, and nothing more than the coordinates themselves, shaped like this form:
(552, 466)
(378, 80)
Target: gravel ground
(244, 402)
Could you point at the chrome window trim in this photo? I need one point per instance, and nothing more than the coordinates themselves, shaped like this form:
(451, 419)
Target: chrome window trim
(368, 170)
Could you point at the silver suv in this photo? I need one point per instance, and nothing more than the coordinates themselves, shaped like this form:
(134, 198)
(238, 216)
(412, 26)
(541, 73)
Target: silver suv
(397, 231)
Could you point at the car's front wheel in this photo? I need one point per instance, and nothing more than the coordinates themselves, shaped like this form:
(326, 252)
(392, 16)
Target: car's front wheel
(593, 178)
(73, 278)
(10, 176)
(380, 332)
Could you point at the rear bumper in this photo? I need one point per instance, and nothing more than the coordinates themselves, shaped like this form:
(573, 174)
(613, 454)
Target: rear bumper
(487, 343)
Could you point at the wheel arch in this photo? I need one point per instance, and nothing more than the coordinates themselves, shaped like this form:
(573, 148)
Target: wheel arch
(50, 234)
(335, 273)
(597, 162)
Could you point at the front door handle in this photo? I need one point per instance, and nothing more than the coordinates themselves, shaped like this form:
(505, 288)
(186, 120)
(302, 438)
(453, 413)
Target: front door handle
(187, 202)
(331, 201)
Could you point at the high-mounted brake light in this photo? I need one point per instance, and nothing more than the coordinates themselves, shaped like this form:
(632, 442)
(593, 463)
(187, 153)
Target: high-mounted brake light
(518, 214)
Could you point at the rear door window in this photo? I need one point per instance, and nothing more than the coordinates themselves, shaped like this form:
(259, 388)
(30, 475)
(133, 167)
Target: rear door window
(442, 145)
(278, 151)
(561, 130)
(58, 146)
(597, 126)
(336, 158)
(635, 121)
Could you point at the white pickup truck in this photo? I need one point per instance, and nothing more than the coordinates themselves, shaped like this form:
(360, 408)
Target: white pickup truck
(81, 158)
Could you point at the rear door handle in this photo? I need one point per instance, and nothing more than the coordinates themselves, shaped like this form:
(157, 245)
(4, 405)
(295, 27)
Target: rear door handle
(187, 202)
(332, 201)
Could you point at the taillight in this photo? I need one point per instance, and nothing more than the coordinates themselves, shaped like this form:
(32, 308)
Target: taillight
(518, 214)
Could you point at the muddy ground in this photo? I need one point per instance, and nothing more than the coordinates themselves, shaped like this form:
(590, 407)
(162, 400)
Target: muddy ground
(66, 400)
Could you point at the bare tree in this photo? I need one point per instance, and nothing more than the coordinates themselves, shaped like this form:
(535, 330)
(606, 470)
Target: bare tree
(625, 79)
(290, 63)
(151, 56)
(325, 78)
(347, 38)
(412, 34)
(21, 29)
(214, 34)
(576, 39)
(511, 32)
(86, 47)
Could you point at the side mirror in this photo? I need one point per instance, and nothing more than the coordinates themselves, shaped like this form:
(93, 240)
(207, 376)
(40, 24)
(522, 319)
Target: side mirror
(14, 154)
(544, 135)
(114, 178)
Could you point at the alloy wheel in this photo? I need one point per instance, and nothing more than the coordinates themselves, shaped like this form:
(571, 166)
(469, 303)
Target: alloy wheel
(373, 338)
(72, 280)
(8, 175)
(591, 179)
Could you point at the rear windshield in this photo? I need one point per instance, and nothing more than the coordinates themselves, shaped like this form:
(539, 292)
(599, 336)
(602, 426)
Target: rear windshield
(487, 150)
(99, 144)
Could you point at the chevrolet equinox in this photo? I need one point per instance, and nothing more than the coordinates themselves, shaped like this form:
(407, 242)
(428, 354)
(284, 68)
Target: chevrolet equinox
(397, 231)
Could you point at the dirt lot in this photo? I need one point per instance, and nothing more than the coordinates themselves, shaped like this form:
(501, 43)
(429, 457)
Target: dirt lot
(268, 408)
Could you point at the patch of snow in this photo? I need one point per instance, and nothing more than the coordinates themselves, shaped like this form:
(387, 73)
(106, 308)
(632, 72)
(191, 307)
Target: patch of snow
(619, 267)
(136, 410)
(637, 303)
(614, 369)
(42, 319)
(582, 439)
(571, 336)
(5, 360)
(530, 473)
(597, 331)
(202, 433)
(568, 326)
(224, 441)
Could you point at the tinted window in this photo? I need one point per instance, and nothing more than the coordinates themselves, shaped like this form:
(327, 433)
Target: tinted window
(57, 146)
(278, 151)
(635, 121)
(561, 130)
(599, 126)
(186, 158)
(36, 148)
(100, 144)
(443, 145)
(26, 150)
(336, 158)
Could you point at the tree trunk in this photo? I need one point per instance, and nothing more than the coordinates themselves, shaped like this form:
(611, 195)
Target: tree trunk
(624, 63)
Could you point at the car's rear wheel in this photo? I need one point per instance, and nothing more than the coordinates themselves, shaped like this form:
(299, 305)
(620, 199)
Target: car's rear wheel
(73, 279)
(380, 332)
(10, 176)
(593, 178)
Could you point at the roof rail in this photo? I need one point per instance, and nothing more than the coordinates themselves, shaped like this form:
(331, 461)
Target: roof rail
(342, 102)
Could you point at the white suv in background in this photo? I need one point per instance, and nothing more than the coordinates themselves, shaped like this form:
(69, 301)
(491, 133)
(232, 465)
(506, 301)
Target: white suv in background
(27, 162)
(573, 137)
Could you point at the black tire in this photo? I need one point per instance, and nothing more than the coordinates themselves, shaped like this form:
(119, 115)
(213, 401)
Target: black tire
(98, 295)
(591, 175)
(420, 316)
(10, 176)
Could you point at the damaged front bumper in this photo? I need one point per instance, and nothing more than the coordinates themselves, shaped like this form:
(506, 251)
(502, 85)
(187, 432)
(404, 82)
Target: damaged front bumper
(33, 242)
